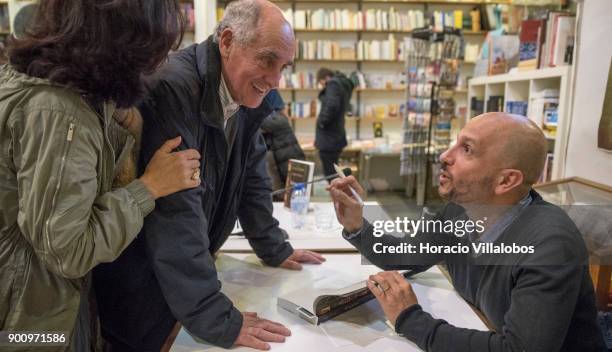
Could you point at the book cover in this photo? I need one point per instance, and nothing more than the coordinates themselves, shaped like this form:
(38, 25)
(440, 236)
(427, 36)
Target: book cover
(377, 127)
(298, 171)
(562, 39)
(503, 53)
(529, 46)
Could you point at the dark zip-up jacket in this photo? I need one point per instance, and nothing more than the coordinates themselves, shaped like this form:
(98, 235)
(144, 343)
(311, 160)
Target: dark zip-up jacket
(169, 271)
(281, 141)
(330, 134)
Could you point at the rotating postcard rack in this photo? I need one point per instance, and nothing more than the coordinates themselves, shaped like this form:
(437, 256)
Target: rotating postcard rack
(432, 68)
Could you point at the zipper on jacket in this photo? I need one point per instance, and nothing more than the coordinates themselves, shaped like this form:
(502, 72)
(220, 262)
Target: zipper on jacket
(70, 132)
(67, 145)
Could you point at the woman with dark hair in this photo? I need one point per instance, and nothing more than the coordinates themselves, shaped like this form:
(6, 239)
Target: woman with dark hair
(63, 145)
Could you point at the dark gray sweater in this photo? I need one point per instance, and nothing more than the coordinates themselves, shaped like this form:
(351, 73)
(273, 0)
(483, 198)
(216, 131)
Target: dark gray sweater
(536, 302)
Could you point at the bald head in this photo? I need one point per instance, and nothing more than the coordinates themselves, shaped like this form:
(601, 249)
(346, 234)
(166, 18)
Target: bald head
(516, 141)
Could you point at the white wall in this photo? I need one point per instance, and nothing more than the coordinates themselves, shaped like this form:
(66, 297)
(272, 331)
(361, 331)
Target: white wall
(594, 53)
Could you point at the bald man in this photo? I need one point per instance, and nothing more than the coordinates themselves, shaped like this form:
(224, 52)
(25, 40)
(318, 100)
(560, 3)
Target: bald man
(213, 95)
(536, 293)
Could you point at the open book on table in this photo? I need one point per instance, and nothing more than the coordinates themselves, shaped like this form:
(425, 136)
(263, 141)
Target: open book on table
(325, 299)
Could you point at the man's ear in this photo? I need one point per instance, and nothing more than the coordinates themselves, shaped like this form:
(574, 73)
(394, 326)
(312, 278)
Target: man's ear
(226, 40)
(507, 180)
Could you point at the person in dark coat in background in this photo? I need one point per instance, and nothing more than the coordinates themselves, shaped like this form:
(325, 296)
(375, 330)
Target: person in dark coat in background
(280, 140)
(330, 136)
(212, 94)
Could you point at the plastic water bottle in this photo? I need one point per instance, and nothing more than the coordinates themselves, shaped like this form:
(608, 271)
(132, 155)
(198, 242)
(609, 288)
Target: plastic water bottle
(299, 205)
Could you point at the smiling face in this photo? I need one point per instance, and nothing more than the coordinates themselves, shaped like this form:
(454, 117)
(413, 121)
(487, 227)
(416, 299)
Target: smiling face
(252, 70)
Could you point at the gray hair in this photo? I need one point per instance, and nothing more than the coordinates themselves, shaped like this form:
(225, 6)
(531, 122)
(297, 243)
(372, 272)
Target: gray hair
(241, 17)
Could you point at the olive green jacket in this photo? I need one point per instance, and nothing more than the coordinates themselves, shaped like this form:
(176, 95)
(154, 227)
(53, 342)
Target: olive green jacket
(59, 213)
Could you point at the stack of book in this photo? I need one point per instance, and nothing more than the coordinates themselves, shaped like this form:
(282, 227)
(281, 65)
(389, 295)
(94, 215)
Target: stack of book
(307, 109)
(325, 50)
(307, 80)
(476, 106)
(382, 111)
(517, 107)
(298, 80)
(389, 49)
(543, 110)
(344, 19)
(495, 103)
(547, 42)
(485, 18)
(376, 19)
(385, 80)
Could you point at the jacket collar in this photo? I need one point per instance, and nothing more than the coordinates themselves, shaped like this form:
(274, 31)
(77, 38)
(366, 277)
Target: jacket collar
(208, 61)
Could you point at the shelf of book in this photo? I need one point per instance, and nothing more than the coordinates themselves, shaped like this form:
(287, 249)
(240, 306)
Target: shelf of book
(315, 22)
(383, 31)
(432, 2)
(361, 118)
(364, 90)
(347, 60)
(542, 95)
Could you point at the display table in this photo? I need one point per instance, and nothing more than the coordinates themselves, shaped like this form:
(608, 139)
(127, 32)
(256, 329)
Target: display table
(254, 287)
(308, 237)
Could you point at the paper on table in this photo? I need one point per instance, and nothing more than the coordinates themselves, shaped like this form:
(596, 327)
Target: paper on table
(342, 334)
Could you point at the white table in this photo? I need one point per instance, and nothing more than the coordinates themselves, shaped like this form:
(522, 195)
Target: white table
(254, 287)
(306, 238)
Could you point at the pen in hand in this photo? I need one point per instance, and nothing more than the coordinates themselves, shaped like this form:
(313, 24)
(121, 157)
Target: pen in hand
(342, 175)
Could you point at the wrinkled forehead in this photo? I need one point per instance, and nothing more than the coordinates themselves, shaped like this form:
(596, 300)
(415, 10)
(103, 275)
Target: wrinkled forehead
(277, 47)
(487, 132)
(275, 36)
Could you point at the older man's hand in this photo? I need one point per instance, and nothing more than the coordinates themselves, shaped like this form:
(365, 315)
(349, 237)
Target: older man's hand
(393, 293)
(257, 332)
(301, 256)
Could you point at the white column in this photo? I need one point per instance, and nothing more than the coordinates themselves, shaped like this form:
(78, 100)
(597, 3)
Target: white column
(205, 18)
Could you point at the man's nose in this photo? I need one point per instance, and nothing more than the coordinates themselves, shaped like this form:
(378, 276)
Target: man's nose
(446, 157)
(272, 79)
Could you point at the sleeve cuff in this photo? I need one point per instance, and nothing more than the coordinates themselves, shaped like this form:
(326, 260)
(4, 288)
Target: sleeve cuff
(350, 236)
(143, 197)
(231, 334)
(404, 315)
(279, 258)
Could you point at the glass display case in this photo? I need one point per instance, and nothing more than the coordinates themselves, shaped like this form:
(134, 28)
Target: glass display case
(589, 205)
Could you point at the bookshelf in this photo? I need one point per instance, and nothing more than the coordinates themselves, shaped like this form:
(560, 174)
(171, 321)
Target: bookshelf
(363, 90)
(527, 86)
(307, 29)
(418, 2)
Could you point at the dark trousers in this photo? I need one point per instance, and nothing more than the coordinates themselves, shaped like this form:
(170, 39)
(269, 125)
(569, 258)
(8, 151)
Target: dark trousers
(328, 159)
